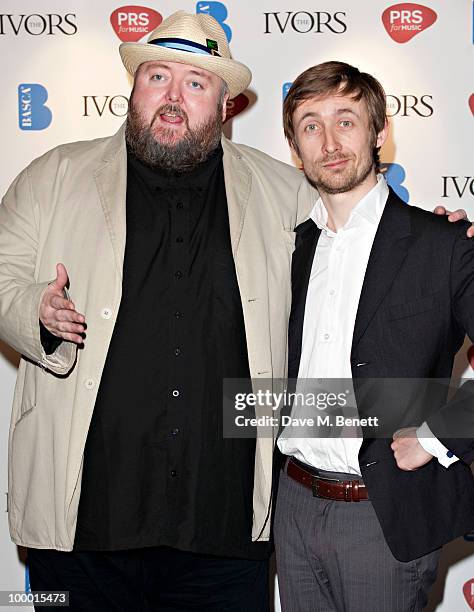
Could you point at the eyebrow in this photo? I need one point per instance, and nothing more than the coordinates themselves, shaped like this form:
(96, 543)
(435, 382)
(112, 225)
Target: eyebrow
(340, 111)
(199, 73)
(193, 71)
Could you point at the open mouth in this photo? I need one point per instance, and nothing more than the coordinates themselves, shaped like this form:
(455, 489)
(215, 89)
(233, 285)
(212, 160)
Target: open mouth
(171, 118)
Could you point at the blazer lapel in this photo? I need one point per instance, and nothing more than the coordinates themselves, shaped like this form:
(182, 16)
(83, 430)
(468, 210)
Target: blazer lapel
(238, 182)
(111, 182)
(393, 239)
(307, 235)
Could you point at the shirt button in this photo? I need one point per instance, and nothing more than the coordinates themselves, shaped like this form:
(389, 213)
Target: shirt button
(178, 275)
(177, 351)
(175, 432)
(178, 314)
(326, 336)
(89, 383)
(175, 393)
(173, 473)
(332, 291)
(179, 205)
(179, 239)
(106, 313)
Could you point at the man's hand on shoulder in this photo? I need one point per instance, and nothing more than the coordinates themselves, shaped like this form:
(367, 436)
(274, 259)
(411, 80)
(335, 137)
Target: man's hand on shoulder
(58, 314)
(408, 452)
(458, 215)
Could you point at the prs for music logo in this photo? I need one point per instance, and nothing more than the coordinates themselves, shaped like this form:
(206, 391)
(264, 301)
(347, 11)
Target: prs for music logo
(468, 590)
(131, 23)
(406, 20)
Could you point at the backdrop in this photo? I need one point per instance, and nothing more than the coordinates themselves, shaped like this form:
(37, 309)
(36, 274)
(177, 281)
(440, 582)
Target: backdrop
(63, 80)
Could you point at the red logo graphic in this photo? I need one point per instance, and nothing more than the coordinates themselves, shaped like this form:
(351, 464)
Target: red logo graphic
(404, 21)
(131, 23)
(236, 106)
(471, 103)
(470, 356)
(468, 590)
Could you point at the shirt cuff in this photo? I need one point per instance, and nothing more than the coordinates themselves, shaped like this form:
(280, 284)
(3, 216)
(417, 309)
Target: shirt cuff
(432, 445)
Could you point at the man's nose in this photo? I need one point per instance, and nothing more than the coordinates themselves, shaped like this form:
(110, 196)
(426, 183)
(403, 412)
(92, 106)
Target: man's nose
(331, 142)
(174, 92)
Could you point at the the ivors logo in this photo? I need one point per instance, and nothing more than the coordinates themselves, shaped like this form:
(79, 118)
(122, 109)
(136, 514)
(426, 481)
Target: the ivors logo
(131, 23)
(406, 20)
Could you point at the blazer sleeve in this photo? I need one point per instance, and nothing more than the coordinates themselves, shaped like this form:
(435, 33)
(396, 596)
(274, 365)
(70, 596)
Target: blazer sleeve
(458, 415)
(20, 293)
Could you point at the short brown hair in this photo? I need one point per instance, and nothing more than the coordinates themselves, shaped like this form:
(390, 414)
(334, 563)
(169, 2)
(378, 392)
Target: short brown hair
(345, 80)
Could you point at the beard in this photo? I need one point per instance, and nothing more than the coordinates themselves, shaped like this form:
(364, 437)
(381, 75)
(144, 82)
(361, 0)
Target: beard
(161, 149)
(339, 181)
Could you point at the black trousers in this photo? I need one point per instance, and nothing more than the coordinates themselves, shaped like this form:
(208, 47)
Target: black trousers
(150, 580)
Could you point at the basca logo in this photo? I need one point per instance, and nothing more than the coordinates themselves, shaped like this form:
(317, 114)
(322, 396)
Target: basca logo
(286, 89)
(395, 175)
(219, 12)
(468, 590)
(406, 20)
(32, 112)
(458, 185)
(131, 23)
(98, 105)
(235, 106)
(303, 22)
(407, 105)
(36, 24)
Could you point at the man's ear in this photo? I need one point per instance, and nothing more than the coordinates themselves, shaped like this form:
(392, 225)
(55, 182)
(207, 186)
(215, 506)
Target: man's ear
(382, 135)
(224, 107)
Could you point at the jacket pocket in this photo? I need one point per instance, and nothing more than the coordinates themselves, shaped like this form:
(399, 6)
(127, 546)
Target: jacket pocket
(410, 309)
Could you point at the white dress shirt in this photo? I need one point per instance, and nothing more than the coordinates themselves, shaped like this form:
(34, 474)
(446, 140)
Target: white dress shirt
(334, 289)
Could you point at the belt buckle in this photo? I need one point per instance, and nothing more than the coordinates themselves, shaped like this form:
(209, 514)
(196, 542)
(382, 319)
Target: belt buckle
(315, 485)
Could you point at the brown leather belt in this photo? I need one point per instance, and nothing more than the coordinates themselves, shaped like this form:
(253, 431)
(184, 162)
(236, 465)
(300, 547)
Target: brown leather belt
(342, 490)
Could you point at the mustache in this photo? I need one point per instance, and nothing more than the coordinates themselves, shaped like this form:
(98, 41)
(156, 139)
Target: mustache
(170, 108)
(329, 159)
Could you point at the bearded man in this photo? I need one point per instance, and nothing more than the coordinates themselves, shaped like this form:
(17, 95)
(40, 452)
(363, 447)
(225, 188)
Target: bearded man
(175, 248)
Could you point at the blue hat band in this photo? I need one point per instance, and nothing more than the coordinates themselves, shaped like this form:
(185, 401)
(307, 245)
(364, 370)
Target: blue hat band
(181, 44)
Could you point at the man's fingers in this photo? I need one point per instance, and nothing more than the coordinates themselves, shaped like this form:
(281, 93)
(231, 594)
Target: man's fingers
(457, 215)
(69, 315)
(58, 302)
(70, 337)
(66, 326)
(61, 276)
(440, 210)
(470, 231)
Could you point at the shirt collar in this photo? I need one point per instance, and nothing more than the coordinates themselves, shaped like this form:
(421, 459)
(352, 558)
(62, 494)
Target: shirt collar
(368, 210)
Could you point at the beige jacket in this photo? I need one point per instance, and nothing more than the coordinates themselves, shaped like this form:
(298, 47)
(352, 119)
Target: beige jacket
(69, 206)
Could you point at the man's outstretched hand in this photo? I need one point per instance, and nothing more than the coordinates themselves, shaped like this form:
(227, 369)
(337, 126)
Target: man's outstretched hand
(58, 314)
(457, 215)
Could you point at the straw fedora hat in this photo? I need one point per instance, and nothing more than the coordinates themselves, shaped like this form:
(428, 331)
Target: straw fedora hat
(197, 40)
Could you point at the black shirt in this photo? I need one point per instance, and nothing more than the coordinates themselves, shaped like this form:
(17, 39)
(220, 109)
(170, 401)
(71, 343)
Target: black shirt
(157, 470)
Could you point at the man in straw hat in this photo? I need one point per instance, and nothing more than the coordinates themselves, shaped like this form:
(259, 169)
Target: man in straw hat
(172, 247)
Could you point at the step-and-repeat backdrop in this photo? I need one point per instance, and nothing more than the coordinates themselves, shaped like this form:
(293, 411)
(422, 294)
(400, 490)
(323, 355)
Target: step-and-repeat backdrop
(62, 80)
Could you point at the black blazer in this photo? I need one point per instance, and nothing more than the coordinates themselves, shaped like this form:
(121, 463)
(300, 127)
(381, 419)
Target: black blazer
(416, 305)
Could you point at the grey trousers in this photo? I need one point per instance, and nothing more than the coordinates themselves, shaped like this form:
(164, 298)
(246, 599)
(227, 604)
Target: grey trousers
(332, 557)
